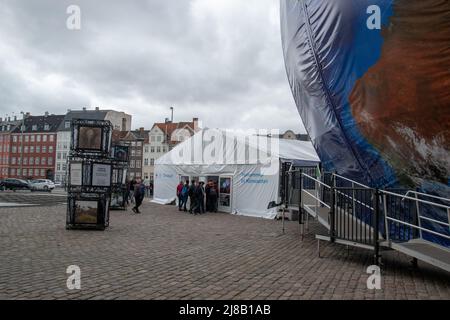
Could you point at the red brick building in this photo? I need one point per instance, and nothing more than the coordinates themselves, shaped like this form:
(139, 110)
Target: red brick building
(32, 149)
(7, 126)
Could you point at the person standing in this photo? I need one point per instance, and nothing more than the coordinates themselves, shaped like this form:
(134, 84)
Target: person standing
(139, 193)
(200, 198)
(213, 195)
(184, 195)
(179, 190)
(191, 194)
(131, 194)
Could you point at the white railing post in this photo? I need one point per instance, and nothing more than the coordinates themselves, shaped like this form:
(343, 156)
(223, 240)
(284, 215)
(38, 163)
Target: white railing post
(419, 222)
(386, 222)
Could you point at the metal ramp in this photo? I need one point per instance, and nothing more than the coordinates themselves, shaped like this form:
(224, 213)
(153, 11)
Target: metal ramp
(356, 215)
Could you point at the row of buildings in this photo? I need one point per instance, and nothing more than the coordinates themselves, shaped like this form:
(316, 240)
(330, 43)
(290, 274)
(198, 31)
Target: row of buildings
(37, 147)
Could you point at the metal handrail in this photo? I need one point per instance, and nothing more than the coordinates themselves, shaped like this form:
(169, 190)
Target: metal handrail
(314, 179)
(420, 228)
(354, 199)
(350, 180)
(436, 221)
(425, 195)
(415, 199)
(314, 197)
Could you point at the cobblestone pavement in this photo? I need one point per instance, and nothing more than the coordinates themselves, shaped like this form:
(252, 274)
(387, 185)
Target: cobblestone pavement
(26, 198)
(166, 254)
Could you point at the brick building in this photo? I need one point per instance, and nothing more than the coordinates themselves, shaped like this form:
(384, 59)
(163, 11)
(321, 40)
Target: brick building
(33, 147)
(135, 140)
(7, 126)
(162, 138)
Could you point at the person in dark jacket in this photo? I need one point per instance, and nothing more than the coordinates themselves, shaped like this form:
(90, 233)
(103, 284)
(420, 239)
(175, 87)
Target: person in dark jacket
(139, 193)
(211, 197)
(200, 198)
(191, 194)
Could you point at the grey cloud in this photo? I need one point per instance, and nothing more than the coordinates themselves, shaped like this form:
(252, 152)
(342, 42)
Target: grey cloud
(219, 60)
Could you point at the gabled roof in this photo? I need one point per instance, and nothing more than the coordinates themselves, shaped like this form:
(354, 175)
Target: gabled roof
(301, 152)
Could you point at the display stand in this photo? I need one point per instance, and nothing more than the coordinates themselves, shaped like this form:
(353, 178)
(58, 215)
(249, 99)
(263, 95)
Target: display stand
(119, 189)
(90, 175)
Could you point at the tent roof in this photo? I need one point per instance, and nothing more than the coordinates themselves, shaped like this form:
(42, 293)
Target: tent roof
(298, 151)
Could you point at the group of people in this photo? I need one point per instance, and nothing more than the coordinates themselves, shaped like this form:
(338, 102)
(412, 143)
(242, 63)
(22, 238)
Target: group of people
(201, 198)
(136, 193)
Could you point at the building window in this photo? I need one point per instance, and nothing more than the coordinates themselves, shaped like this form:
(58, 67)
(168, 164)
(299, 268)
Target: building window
(132, 163)
(64, 167)
(13, 160)
(58, 156)
(36, 161)
(158, 138)
(152, 138)
(27, 138)
(38, 138)
(146, 162)
(46, 127)
(152, 162)
(13, 171)
(164, 149)
(25, 149)
(133, 152)
(32, 138)
(50, 161)
(31, 161)
(43, 161)
(36, 172)
(138, 153)
(67, 124)
(38, 149)
(14, 138)
(44, 138)
(158, 149)
(14, 149)
(31, 149)
(139, 144)
(146, 149)
(152, 149)
(34, 127)
(64, 156)
(25, 172)
(25, 161)
(138, 163)
(51, 138)
(50, 149)
(44, 149)
(42, 172)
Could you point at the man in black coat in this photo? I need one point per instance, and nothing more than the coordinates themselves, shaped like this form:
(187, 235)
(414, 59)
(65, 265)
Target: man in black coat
(192, 198)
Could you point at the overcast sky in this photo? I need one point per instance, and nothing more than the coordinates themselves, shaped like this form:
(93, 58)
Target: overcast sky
(219, 60)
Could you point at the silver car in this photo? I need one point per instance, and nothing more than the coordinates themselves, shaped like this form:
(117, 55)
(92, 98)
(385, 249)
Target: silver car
(42, 185)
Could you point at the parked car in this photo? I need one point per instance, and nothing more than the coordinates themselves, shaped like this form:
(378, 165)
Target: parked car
(14, 184)
(42, 185)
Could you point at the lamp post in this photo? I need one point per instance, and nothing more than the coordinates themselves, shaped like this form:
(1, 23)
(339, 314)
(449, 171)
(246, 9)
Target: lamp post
(21, 142)
(171, 118)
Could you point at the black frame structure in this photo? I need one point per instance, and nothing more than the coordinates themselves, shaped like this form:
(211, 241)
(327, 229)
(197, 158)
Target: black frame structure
(119, 190)
(87, 197)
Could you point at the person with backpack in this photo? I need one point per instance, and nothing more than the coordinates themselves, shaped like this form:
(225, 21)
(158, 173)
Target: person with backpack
(139, 193)
(184, 195)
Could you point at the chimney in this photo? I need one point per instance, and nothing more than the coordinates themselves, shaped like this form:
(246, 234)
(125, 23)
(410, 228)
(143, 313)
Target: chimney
(27, 114)
(141, 129)
(15, 118)
(84, 108)
(97, 108)
(166, 120)
(46, 113)
(9, 118)
(195, 122)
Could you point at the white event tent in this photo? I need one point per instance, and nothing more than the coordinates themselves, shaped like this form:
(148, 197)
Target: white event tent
(246, 168)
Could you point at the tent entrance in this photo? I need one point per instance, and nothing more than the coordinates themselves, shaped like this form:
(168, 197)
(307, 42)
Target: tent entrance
(225, 191)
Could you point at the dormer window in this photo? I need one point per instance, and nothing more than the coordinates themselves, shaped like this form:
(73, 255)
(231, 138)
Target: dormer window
(67, 124)
(46, 127)
(34, 127)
